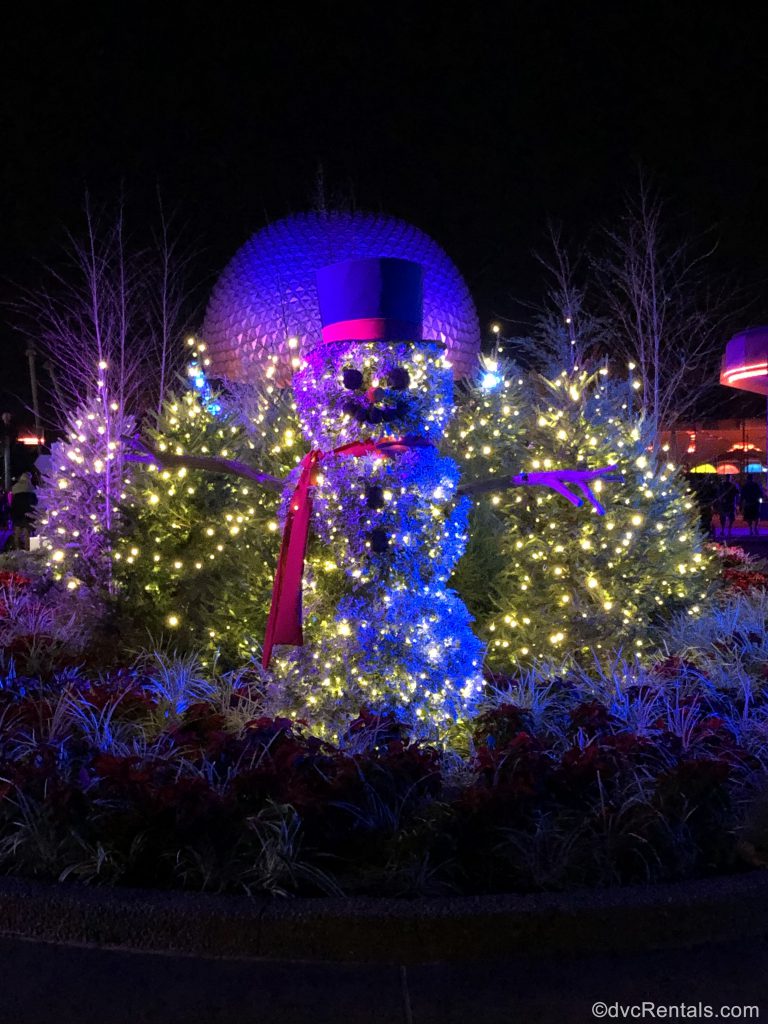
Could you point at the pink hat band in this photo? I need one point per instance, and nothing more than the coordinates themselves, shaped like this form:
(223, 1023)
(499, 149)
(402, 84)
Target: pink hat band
(372, 328)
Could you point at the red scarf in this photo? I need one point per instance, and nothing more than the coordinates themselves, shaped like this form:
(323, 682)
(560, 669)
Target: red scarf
(284, 622)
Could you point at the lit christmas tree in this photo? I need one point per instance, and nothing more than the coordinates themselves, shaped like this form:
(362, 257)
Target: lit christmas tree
(80, 494)
(545, 580)
(197, 549)
(384, 512)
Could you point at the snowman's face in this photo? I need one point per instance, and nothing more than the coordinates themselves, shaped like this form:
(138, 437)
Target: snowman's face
(348, 391)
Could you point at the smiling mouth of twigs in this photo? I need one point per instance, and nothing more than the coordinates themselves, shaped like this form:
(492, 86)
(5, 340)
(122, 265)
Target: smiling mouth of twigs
(368, 411)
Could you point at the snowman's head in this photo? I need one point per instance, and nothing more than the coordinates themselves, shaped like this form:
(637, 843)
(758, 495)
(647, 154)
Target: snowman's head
(363, 381)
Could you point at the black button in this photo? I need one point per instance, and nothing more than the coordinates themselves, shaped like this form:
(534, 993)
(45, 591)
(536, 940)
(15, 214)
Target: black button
(379, 541)
(374, 496)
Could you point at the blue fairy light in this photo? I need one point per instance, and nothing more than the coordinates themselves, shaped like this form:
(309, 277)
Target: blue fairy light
(490, 380)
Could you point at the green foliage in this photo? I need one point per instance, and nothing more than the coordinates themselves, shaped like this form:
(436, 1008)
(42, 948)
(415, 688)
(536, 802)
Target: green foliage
(44, 626)
(197, 551)
(193, 551)
(637, 773)
(546, 579)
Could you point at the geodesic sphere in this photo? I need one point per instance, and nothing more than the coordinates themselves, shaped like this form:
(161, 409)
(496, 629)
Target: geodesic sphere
(267, 294)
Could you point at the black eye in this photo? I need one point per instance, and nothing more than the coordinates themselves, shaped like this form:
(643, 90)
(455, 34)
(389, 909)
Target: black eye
(353, 379)
(398, 378)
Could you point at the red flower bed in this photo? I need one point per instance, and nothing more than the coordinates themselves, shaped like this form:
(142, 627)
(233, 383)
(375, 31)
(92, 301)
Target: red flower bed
(745, 580)
(10, 581)
(196, 804)
(111, 783)
(13, 579)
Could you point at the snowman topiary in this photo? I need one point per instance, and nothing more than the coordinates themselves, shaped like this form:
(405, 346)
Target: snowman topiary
(375, 519)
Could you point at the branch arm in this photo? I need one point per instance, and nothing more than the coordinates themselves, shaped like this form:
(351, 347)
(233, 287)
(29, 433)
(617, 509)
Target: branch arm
(559, 480)
(212, 463)
(491, 483)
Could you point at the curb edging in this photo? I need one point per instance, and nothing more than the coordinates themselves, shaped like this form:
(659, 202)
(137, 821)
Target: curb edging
(370, 930)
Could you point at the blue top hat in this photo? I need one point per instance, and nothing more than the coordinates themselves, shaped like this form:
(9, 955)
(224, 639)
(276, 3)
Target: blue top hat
(375, 299)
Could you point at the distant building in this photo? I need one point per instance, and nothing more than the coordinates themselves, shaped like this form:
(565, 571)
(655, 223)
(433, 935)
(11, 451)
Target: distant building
(730, 446)
(719, 446)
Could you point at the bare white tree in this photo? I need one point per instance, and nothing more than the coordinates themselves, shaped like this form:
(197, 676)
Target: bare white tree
(84, 319)
(667, 309)
(109, 317)
(566, 332)
(167, 294)
(567, 328)
(81, 319)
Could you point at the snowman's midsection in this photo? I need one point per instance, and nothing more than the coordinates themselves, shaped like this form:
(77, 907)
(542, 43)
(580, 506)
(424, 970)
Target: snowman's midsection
(385, 517)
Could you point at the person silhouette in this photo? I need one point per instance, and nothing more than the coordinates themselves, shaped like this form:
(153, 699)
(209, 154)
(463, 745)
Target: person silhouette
(725, 503)
(23, 501)
(751, 496)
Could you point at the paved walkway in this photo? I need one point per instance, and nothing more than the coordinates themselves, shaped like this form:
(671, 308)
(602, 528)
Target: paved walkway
(49, 984)
(740, 537)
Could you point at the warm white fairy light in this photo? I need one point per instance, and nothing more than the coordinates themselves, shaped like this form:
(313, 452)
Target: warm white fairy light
(649, 513)
(593, 570)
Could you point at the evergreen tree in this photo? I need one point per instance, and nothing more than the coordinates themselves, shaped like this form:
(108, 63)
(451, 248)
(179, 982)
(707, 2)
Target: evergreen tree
(545, 579)
(197, 550)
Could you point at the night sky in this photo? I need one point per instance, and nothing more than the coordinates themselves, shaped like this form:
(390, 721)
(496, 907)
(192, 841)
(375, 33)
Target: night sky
(478, 127)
